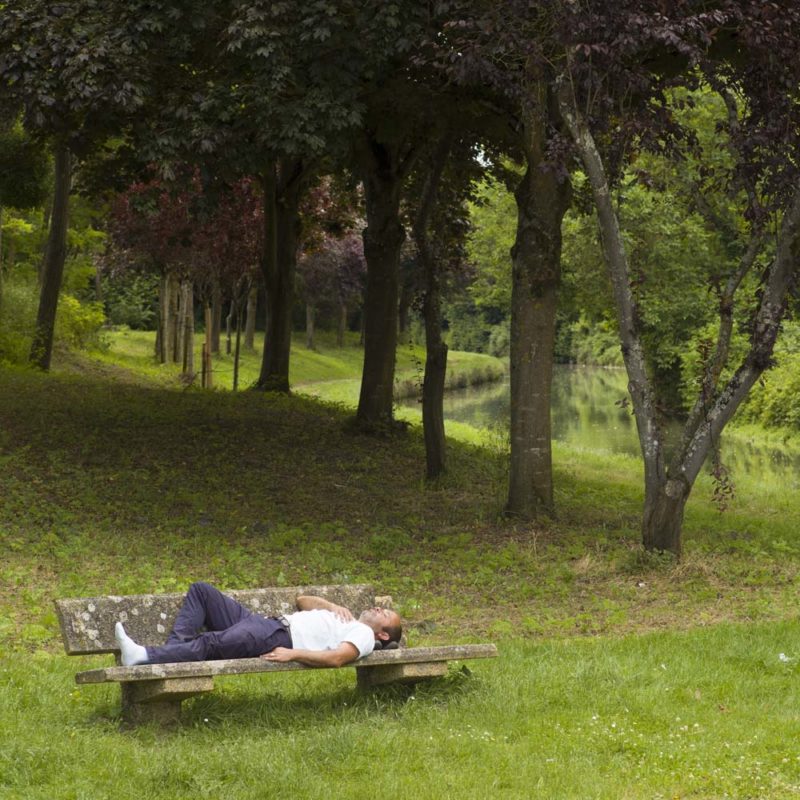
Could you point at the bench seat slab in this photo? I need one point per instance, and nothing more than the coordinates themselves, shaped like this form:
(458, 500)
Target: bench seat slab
(243, 666)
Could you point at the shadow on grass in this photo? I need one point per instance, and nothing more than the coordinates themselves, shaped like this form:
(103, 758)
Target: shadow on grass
(296, 712)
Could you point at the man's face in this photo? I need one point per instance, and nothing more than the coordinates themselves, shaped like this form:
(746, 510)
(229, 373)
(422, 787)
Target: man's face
(379, 618)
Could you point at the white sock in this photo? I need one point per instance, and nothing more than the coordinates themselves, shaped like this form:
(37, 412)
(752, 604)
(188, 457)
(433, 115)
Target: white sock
(132, 653)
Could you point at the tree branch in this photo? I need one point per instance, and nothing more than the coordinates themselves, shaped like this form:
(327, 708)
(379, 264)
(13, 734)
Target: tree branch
(782, 273)
(639, 384)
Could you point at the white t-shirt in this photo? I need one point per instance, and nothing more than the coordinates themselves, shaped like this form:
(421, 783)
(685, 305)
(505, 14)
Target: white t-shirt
(323, 630)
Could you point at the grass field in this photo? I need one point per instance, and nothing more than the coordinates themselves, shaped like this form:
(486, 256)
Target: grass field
(704, 714)
(329, 372)
(621, 675)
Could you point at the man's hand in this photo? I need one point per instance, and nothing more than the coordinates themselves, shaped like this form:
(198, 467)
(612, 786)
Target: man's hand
(345, 653)
(309, 602)
(344, 614)
(278, 654)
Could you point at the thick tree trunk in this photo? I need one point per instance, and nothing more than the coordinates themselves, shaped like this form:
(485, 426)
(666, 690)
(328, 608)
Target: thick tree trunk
(250, 324)
(282, 191)
(542, 200)
(383, 176)
(662, 522)
(310, 315)
(53, 264)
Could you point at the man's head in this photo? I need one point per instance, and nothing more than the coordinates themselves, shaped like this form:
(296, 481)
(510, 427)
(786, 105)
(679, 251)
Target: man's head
(385, 622)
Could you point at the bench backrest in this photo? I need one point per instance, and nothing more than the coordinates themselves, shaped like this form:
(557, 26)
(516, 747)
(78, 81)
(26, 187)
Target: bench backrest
(87, 624)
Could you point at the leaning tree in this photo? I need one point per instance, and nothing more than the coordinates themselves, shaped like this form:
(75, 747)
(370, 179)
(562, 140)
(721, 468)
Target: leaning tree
(619, 65)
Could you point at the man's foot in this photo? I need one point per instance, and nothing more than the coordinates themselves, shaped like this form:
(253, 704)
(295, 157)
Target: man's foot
(132, 653)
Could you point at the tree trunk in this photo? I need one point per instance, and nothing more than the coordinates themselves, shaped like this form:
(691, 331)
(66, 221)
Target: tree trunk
(229, 327)
(163, 318)
(180, 347)
(436, 349)
(250, 324)
(216, 316)
(174, 321)
(383, 175)
(188, 330)
(664, 504)
(208, 366)
(53, 264)
(542, 200)
(47, 216)
(282, 191)
(237, 349)
(666, 490)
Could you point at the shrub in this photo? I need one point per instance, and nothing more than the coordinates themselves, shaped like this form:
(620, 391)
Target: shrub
(17, 318)
(78, 324)
(131, 300)
(595, 343)
(500, 340)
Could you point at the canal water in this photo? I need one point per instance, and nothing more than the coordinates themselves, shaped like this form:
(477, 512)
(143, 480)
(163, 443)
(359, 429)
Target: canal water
(589, 412)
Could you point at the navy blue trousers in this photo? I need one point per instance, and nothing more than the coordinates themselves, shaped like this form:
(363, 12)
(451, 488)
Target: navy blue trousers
(212, 626)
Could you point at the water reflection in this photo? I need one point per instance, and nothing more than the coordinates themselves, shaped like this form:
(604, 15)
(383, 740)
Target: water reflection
(590, 409)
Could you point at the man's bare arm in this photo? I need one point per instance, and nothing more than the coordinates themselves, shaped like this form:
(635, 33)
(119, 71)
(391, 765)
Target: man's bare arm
(309, 602)
(345, 653)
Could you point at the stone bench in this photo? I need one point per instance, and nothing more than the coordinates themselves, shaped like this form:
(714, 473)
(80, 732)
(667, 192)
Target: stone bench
(154, 692)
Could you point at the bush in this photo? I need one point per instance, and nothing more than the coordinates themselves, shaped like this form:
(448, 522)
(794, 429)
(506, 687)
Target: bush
(78, 324)
(500, 340)
(17, 318)
(699, 350)
(466, 331)
(131, 300)
(774, 401)
(595, 343)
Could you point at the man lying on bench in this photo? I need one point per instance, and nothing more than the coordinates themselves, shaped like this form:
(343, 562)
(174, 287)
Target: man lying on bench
(212, 626)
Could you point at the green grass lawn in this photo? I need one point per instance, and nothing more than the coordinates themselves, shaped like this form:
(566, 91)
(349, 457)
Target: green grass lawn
(329, 372)
(707, 713)
(621, 675)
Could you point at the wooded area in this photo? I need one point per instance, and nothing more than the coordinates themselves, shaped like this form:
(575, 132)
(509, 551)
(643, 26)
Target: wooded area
(340, 155)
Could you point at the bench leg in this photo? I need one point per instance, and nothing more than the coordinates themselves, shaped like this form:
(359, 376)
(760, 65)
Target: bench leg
(159, 701)
(368, 677)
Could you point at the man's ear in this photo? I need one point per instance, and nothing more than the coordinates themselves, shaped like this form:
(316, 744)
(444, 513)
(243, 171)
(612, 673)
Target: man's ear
(382, 635)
